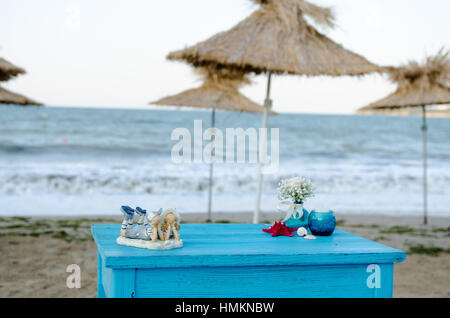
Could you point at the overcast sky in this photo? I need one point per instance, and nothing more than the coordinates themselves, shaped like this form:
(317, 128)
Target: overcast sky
(111, 53)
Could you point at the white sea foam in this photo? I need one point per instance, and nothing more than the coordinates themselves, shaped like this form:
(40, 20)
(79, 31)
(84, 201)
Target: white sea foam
(166, 178)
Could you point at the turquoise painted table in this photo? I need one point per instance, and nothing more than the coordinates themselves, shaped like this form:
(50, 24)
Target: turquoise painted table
(239, 260)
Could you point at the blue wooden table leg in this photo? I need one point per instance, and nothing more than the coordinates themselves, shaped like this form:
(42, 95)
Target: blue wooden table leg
(123, 282)
(387, 281)
(100, 289)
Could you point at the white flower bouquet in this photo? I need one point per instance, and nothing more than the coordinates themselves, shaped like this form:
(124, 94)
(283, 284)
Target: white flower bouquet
(297, 189)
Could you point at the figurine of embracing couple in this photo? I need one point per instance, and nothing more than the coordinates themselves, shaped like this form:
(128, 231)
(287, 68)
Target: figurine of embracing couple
(152, 226)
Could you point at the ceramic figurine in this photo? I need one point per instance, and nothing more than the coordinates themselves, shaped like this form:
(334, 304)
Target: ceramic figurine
(153, 230)
(170, 224)
(141, 230)
(128, 214)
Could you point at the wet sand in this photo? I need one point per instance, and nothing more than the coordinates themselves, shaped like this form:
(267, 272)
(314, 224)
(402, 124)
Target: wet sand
(36, 252)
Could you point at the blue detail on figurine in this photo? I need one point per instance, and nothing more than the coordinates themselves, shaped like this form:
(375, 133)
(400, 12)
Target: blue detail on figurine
(140, 230)
(322, 223)
(140, 211)
(296, 220)
(127, 211)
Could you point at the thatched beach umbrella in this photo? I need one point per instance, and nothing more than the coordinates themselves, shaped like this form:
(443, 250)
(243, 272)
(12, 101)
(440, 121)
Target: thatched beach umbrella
(8, 97)
(218, 91)
(277, 39)
(418, 85)
(7, 72)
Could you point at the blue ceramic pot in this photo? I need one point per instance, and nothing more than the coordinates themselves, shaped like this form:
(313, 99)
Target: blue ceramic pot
(298, 219)
(322, 223)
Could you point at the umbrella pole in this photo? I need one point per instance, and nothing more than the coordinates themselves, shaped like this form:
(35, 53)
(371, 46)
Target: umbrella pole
(425, 190)
(267, 105)
(211, 165)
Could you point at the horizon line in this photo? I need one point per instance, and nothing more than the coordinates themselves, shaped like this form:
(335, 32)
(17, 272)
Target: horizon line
(170, 108)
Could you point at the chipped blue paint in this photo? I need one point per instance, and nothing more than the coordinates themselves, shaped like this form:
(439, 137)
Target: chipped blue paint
(239, 260)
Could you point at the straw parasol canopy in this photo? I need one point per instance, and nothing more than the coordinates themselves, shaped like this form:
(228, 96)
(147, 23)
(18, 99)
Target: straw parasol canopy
(417, 84)
(277, 38)
(219, 90)
(9, 70)
(8, 97)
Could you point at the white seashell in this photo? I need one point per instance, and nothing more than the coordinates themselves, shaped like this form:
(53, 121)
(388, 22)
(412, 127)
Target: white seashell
(310, 237)
(301, 231)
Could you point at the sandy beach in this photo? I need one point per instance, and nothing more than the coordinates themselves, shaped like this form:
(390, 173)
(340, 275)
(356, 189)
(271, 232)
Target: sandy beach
(36, 251)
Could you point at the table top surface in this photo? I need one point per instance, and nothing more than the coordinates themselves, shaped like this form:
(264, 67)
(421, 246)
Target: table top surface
(242, 245)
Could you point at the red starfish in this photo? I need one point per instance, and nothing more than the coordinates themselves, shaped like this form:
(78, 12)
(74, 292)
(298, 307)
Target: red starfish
(280, 228)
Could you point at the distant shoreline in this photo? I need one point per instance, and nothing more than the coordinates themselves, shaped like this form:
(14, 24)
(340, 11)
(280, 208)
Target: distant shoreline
(247, 217)
(430, 114)
(167, 109)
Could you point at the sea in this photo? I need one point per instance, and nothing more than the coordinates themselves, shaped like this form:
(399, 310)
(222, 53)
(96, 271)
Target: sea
(61, 161)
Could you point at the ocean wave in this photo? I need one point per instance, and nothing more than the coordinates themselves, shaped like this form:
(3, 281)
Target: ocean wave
(86, 153)
(156, 179)
(85, 149)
